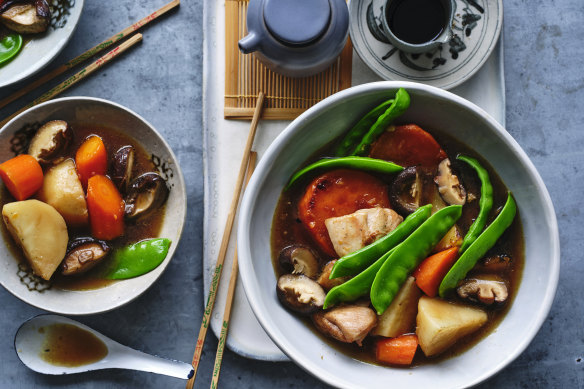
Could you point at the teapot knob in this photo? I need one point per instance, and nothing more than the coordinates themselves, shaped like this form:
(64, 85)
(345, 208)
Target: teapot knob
(249, 43)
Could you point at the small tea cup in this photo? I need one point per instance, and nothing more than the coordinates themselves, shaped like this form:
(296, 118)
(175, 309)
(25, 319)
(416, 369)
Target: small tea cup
(410, 13)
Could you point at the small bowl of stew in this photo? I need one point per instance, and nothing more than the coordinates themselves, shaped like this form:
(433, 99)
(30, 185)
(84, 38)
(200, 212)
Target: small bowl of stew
(93, 205)
(396, 233)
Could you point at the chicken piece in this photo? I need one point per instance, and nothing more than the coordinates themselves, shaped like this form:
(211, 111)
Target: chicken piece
(352, 232)
(347, 324)
(324, 277)
(27, 18)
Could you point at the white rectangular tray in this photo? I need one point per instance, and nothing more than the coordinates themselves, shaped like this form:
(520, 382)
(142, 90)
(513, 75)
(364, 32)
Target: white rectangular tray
(223, 142)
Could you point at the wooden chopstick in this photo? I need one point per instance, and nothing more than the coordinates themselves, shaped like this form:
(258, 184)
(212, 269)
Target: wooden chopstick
(230, 293)
(225, 242)
(89, 53)
(78, 77)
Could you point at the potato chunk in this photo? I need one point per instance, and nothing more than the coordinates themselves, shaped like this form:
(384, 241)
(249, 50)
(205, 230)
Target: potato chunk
(400, 316)
(41, 232)
(62, 189)
(440, 323)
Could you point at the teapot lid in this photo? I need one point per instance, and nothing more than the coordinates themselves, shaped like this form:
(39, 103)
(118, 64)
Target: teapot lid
(297, 22)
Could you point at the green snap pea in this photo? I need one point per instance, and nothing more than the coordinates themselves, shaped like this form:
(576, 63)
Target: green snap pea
(357, 286)
(485, 203)
(479, 247)
(360, 163)
(10, 45)
(399, 106)
(356, 261)
(138, 259)
(408, 255)
(353, 137)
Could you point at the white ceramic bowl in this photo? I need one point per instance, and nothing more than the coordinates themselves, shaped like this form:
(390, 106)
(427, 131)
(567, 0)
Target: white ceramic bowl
(41, 49)
(97, 112)
(432, 108)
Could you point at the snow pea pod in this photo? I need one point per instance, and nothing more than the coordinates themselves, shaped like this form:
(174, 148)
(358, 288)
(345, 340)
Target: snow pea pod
(138, 258)
(356, 261)
(359, 163)
(485, 203)
(356, 133)
(10, 45)
(399, 106)
(357, 286)
(479, 247)
(408, 255)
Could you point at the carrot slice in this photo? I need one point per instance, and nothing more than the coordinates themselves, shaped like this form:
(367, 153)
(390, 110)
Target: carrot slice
(432, 270)
(106, 208)
(91, 159)
(338, 193)
(408, 145)
(397, 351)
(22, 175)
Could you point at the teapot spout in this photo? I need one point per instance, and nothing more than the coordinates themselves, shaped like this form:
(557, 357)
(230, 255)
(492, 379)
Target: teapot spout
(249, 43)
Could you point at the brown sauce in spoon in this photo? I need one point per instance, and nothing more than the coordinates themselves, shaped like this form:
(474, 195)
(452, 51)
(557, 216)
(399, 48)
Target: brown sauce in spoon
(70, 346)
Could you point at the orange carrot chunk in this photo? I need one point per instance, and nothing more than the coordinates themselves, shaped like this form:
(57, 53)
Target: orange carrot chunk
(22, 175)
(408, 145)
(91, 159)
(432, 270)
(106, 208)
(397, 351)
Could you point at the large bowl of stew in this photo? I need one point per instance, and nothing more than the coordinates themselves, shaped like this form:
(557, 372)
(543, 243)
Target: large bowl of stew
(463, 336)
(101, 210)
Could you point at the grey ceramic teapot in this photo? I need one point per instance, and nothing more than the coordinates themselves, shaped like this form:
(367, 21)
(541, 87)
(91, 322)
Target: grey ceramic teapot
(296, 38)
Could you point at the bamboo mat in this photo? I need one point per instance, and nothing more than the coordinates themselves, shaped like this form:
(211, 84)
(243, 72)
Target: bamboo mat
(286, 97)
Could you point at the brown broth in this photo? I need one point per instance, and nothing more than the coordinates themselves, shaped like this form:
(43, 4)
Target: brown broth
(70, 346)
(135, 231)
(287, 229)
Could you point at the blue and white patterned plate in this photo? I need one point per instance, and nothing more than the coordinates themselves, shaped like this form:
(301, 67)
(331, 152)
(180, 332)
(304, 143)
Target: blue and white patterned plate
(476, 28)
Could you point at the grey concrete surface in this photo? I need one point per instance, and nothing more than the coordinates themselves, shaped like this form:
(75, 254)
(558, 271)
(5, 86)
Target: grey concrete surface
(162, 80)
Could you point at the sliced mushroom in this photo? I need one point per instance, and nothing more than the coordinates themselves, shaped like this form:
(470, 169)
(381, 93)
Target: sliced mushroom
(123, 163)
(298, 259)
(300, 294)
(486, 289)
(494, 264)
(26, 18)
(350, 323)
(50, 141)
(406, 191)
(449, 185)
(324, 277)
(83, 254)
(147, 193)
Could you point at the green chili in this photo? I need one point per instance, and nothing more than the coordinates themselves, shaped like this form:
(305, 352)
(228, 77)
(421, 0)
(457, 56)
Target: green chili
(10, 45)
(399, 106)
(356, 261)
(138, 258)
(409, 254)
(360, 163)
(479, 247)
(357, 286)
(485, 203)
(356, 133)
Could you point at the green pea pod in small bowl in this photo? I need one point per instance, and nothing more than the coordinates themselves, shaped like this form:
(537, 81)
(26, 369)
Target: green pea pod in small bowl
(356, 261)
(138, 259)
(10, 45)
(409, 254)
(479, 247)
(357, 163)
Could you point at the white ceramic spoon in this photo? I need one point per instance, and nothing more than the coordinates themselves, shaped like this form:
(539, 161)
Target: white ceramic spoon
(28, 343)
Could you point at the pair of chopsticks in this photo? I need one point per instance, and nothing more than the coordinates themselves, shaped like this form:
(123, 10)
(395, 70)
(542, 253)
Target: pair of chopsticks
(79, 59)
(248, 161)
